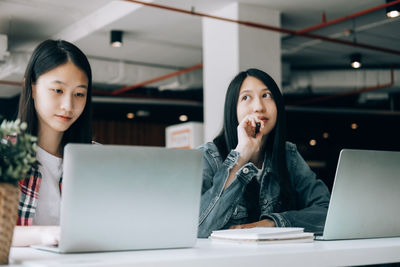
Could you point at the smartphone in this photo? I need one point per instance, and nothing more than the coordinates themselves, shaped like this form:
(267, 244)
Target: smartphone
(258, 125)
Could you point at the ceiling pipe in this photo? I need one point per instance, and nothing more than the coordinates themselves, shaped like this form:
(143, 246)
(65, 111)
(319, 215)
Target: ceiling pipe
(323, 17)
(164, 77)
(336, 35)
(129, 88)
(10, 83)
(351, 16)
(271, 28)
(351, 92)
(344, 111)
(19, 84)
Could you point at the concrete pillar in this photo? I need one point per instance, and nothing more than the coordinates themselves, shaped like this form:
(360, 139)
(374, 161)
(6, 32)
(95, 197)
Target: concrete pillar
(229, 48)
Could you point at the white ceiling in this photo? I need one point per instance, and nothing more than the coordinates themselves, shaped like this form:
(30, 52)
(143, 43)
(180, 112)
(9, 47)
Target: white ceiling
(171, 40)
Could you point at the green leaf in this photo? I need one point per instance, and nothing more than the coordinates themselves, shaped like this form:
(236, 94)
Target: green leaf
(17, 151)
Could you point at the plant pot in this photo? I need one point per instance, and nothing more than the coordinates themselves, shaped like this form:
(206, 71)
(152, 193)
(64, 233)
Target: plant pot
(9, 197)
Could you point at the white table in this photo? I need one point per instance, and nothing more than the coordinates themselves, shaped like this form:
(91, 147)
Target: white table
(214, 253)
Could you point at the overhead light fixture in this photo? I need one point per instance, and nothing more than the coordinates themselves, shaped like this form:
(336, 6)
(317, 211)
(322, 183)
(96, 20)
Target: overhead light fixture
(183, 117)
(130, 115)
(392, 11)
(143, 113)
(116, 38)
(355, 60)
(354, 126)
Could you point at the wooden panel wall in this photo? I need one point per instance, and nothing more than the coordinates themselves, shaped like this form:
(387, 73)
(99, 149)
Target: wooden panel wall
(129, 133)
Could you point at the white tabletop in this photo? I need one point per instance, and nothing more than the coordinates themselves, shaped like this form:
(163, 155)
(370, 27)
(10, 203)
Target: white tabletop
(214, 253)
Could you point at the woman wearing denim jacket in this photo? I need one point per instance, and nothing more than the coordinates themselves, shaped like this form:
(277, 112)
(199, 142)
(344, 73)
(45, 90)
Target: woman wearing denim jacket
(255, 178)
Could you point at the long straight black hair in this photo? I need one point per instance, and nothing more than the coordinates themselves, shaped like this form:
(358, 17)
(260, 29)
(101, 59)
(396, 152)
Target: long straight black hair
(227, 139)
(47, 56)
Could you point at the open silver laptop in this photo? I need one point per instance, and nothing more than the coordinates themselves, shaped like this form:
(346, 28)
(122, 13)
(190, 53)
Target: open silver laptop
(128, 197)
(365, 197)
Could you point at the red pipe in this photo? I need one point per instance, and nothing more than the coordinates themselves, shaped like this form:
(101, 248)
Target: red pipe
(351, 92)
(10, 83)
(323, 17)
(141, 84)
(271, 28)
(351, 16)
(323, 38)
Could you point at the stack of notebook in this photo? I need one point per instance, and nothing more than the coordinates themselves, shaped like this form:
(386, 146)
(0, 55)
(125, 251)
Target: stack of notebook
(263, 235)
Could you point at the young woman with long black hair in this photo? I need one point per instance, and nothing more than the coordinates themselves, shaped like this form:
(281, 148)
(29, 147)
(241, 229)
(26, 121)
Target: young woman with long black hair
(56, 104)
(254, 178)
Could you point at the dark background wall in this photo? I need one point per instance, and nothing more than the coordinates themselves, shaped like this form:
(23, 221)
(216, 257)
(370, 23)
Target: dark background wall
(375, 131)
(129, 132)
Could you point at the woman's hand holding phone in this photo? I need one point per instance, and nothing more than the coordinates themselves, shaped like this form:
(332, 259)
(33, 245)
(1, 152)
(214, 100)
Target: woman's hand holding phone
(249, 136)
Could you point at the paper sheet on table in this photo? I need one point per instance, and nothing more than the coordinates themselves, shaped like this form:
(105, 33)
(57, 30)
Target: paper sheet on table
(35, 235)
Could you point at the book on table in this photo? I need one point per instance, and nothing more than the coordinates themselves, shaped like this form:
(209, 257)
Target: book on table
(264, 235)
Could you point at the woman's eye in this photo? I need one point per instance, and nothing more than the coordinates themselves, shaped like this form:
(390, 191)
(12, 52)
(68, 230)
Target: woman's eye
(245, 97)
(267, 95)
(80, 94)
(58, 91)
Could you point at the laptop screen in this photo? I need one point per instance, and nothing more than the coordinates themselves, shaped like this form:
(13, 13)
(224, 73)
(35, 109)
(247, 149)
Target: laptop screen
(129, 197)
(365, 196)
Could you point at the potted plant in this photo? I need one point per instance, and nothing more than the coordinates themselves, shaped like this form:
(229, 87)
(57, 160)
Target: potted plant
(17, 154)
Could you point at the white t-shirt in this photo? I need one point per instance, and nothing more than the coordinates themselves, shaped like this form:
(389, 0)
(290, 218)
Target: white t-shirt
(48, 206)
(259, 172)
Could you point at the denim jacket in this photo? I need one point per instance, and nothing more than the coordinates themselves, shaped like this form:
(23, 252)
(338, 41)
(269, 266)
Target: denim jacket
(220, 209)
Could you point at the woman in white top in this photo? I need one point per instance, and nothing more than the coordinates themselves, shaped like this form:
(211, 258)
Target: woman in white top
(56, 104)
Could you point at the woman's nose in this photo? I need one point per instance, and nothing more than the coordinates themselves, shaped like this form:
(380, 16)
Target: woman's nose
(258, 105)
(67, 103)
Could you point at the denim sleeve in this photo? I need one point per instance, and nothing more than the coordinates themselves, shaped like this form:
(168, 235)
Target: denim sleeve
(217, 205)
(311, 198)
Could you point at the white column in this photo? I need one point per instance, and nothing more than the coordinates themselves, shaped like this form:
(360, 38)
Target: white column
(229, 48)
